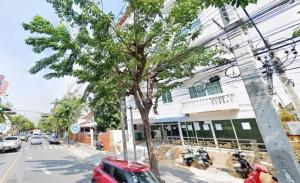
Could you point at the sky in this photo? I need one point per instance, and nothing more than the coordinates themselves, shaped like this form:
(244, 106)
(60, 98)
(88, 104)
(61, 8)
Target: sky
(29, 92)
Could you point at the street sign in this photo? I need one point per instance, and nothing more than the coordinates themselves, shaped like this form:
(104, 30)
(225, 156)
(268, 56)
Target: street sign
(2, 127)
(75, 128)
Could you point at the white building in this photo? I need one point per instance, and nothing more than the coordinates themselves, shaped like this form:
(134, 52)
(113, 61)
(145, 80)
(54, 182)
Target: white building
(219, 112)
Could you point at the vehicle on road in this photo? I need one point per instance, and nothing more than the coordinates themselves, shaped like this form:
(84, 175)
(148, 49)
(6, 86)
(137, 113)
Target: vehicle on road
(24, 137)
(36, 139)
(200, 156)
(112, 170)
(1, 145)
(11, 143)
(99, 145)
(53, 139)
(47, 136)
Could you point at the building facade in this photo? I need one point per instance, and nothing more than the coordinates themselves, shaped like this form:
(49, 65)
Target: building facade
(212, 108)
(217, 113)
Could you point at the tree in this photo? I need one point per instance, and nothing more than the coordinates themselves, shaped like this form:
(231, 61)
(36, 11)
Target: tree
(143, 58)
(2, 114)
(106, 110)
(21, 123)
(49, 124)
(66, 113)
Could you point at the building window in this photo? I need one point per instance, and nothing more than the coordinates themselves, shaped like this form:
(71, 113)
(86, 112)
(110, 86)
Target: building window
(213, 88)
(167, 97)
(192, 27)
(205, 89)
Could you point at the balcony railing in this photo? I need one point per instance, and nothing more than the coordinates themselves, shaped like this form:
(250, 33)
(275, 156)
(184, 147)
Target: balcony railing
(210, 103)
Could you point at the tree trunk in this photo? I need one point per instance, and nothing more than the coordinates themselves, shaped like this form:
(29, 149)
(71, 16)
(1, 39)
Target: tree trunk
(151, 154)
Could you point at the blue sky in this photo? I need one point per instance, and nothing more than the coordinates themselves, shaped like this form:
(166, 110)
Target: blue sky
(26, 91)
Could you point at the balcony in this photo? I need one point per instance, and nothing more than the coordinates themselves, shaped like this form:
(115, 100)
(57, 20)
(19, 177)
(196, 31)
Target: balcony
(210, 103)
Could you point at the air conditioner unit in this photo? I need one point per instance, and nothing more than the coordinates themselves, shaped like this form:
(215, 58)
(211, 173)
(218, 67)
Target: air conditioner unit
(214, 79)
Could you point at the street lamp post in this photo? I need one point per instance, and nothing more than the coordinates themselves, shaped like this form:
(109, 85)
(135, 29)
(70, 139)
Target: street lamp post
(133, 134)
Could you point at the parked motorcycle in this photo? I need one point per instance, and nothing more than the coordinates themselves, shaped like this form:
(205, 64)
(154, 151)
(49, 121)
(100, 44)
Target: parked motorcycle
(99, 146)
(245, 170)
(254, 175)
(200, 156)
(242, 166)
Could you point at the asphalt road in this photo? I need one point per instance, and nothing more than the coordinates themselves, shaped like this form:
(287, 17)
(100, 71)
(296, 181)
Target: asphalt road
(43, 163)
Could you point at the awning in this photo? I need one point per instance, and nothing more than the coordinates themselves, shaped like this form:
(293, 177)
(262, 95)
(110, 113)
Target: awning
(89, 125)
(180, 118)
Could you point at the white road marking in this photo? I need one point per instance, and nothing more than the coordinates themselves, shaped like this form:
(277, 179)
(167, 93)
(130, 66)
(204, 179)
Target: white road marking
(47, 172)
(44, 170)
(3, 178)
(29, 158)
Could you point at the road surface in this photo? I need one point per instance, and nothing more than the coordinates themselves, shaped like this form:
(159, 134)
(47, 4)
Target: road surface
(43, 163)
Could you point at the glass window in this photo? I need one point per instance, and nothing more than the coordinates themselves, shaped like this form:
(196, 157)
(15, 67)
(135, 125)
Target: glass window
(107, 168)
(142, 177)
(11, 138)
(205, 89)
(213, 88)
(193, 92)
(201, 90)
(193, 27)
(167, 97)
(196, 24)
(119, 176)
(197, 91)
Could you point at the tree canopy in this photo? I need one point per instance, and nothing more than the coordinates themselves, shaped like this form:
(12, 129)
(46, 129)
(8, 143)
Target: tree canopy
(106, 110)
(66, 112)
(20, 122)
(143, 57)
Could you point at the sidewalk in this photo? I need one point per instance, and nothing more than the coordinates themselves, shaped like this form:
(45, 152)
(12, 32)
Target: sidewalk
(170, 172)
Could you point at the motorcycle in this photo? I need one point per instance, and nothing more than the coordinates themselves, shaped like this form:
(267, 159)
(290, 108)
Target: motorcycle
(245, 170)
(242, 167)
(99, 146)
(254, 176)
(200, 156)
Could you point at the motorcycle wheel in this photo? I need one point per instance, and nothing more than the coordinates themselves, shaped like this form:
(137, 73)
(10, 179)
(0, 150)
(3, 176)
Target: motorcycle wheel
(189, 162)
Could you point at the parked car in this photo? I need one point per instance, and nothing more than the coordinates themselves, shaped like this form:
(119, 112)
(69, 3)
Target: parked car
(1, 145)
(112, 170)
(53, 139)
(47, 136)
(36, 139)
(11, 143)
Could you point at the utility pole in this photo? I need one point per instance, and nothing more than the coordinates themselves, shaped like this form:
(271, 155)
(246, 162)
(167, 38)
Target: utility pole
(279, 68)
(122, 121)
(280, 151)
(132, 133)
(288, 85)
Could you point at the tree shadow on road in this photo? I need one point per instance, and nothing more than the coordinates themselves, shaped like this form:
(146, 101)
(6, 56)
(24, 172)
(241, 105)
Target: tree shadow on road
(70, 165)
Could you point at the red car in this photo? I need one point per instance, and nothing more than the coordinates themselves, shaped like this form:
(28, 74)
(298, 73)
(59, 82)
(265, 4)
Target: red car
(112, 170)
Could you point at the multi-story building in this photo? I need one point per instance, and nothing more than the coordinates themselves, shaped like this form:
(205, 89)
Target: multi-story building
(212, 107)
